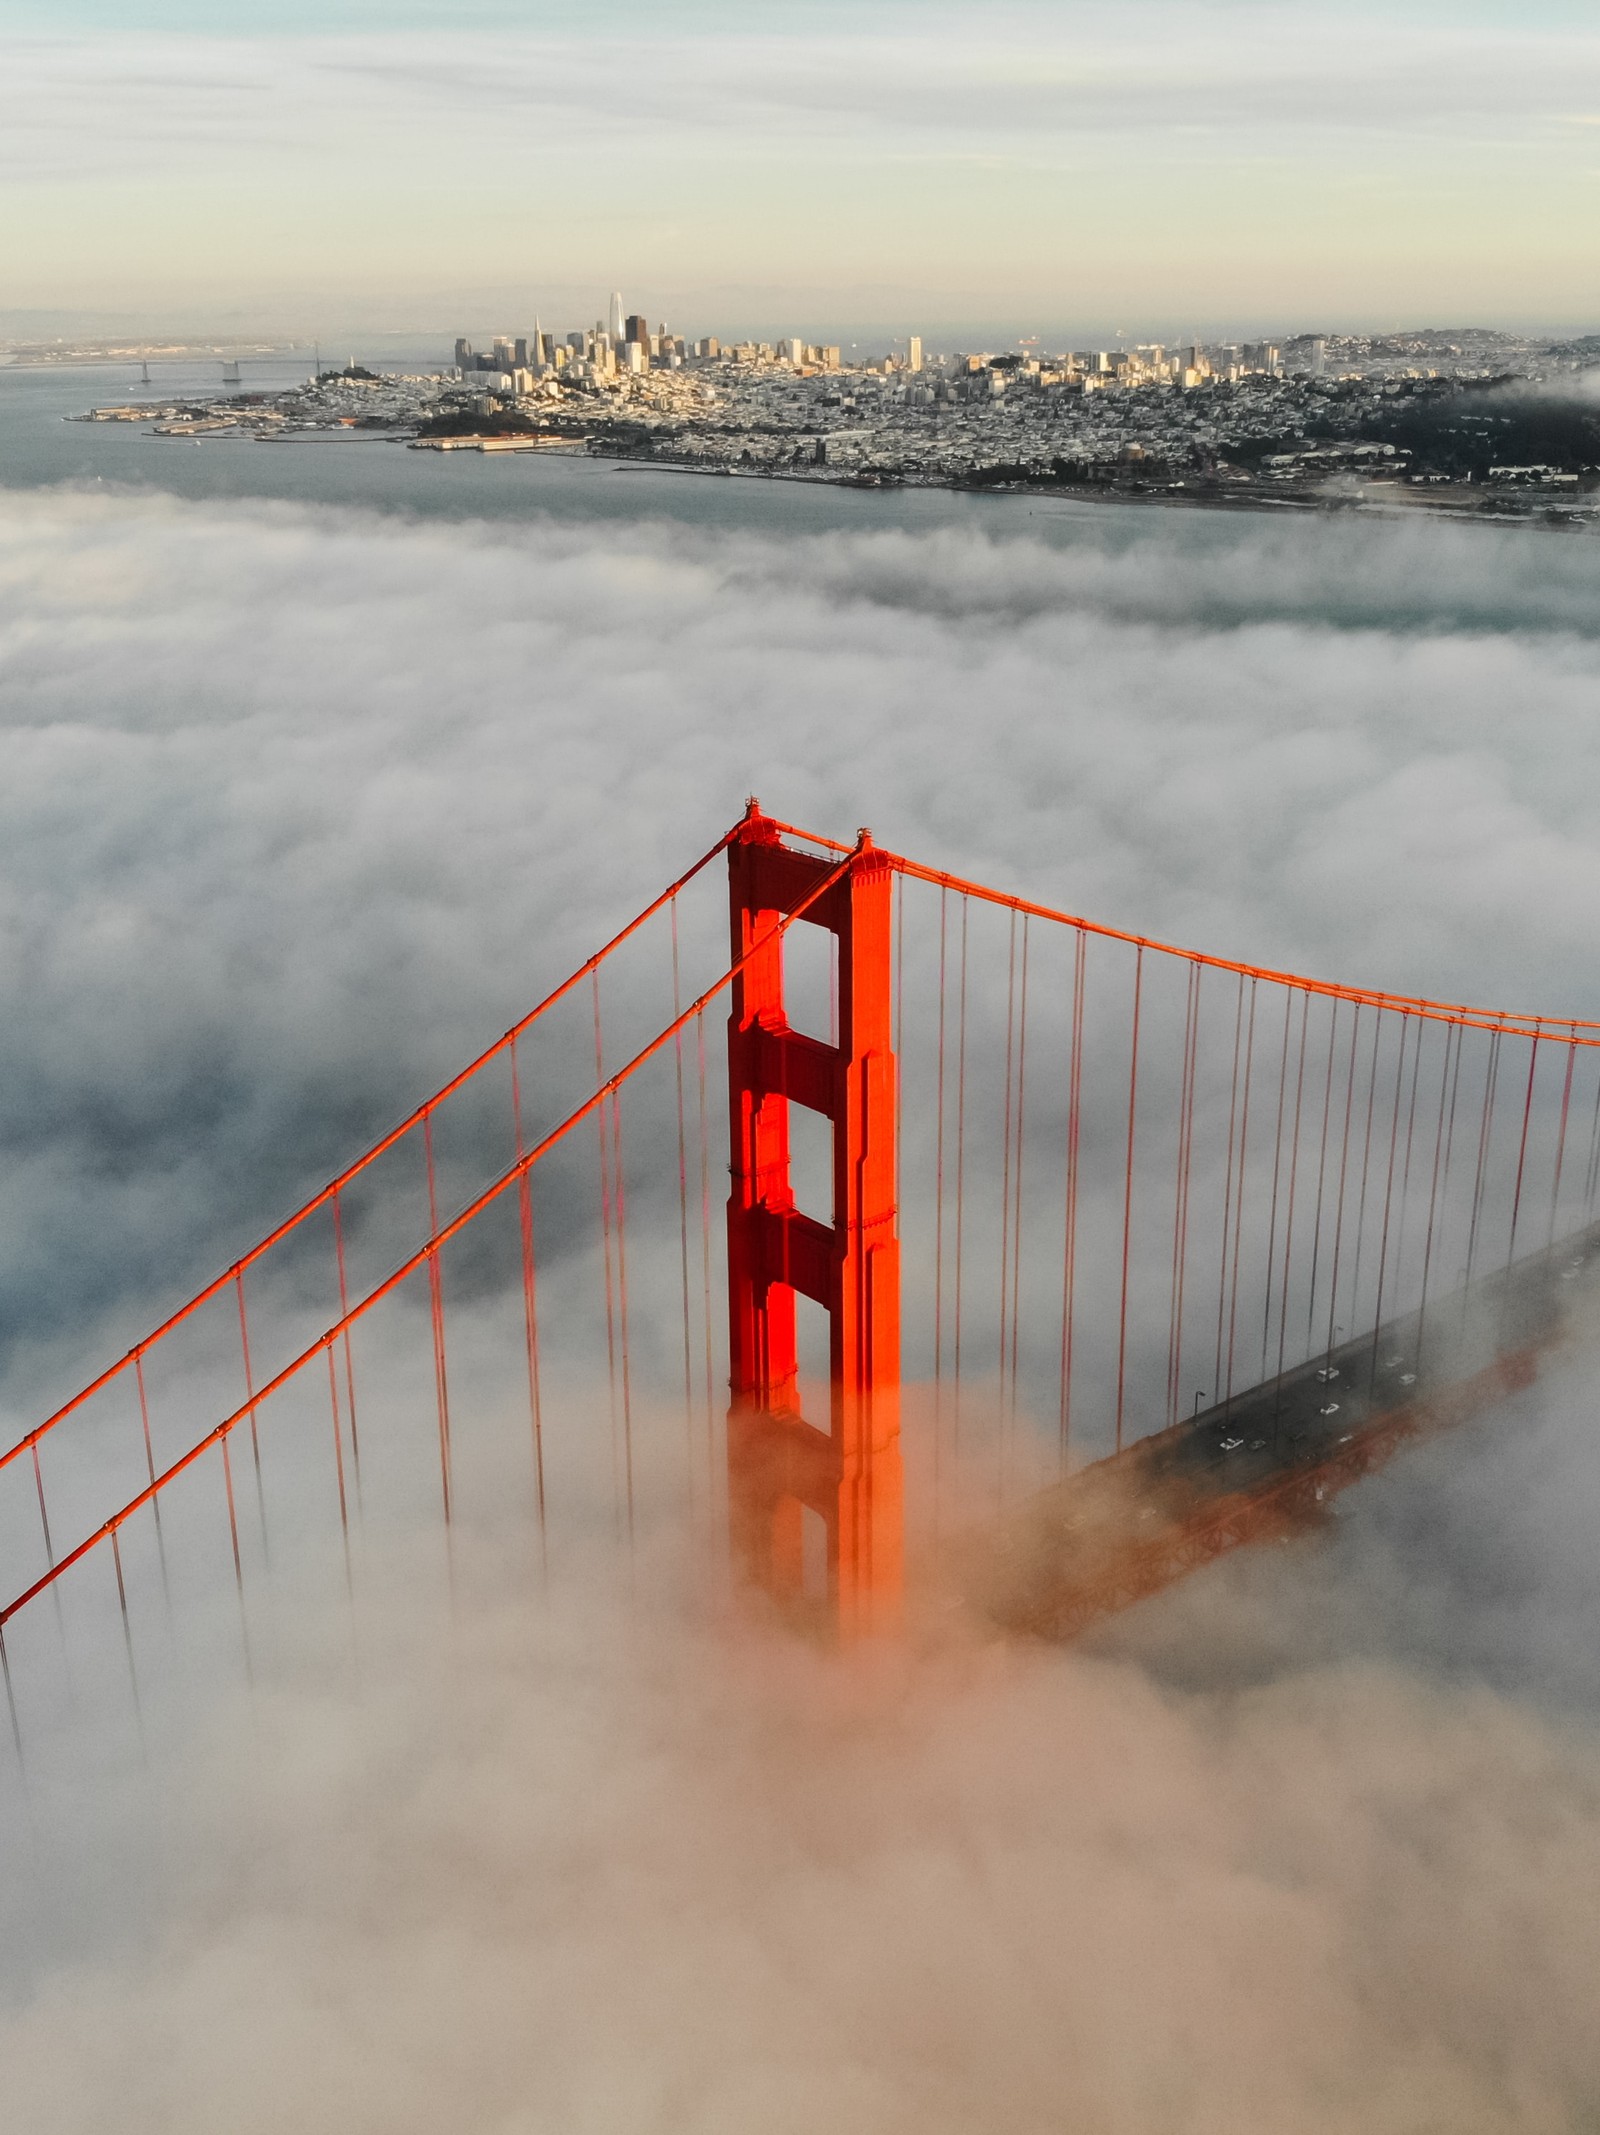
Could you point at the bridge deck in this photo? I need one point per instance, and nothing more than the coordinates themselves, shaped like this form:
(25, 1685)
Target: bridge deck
(1265, 1463)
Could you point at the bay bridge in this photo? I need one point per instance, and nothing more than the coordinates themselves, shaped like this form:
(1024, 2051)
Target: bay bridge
(855, 1238)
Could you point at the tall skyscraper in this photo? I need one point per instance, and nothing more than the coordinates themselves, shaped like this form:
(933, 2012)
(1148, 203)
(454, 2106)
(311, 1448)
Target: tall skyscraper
(914, 353)
(616, 315)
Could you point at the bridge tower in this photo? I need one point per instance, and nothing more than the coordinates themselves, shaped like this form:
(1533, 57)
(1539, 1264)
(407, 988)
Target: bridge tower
(781, 1464)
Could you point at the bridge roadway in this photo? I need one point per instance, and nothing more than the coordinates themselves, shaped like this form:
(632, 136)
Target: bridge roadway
(1265, 1463)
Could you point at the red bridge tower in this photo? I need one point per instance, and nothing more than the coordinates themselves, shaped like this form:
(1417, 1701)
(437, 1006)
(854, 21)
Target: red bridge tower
(780, 1464)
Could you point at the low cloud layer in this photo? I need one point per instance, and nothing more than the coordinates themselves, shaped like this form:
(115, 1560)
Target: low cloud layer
(577, 1871)
(303, 807)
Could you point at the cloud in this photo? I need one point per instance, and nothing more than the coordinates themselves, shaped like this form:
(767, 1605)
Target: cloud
(301, 808)
(571, 1869)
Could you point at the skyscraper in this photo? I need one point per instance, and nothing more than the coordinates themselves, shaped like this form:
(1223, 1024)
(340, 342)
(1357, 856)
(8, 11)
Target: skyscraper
(914, 353)
(616, 315)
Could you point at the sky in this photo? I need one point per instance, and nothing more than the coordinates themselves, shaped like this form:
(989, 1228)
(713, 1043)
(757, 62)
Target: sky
(1161, 167)
(301, 806)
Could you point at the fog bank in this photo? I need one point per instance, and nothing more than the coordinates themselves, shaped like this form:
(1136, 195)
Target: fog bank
(301, 808)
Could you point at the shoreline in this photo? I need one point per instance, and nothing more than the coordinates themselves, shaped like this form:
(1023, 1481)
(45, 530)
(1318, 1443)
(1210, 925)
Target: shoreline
(1388, 502)
(1542, 516)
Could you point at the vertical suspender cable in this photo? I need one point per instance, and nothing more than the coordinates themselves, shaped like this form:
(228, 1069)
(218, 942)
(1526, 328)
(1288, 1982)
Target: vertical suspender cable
(338, 1463)
(1294, 1167)
(1388, 1187)
(605, 1231)
(1238, 1199)
(705, 1241)
(150, 1471)
(1005, 1193)
(127, 1638)
(1522, 1146)
(1405, 1169)
(1450, 1129)
(620, 1185)
(938, 1228)
(238, 1566)
(1277, 1167)
(1366, 1166)
(1127, 1192)
(255, 1436)
(436, 1301)
(1227, 1189)
(1322, 1174)
(44, 1512)
(1449, 1078)
(961, 1161)
(1180, 1199)
(1561, 1134)
(1491, 1080)
(530, 1314)
(1591, 1176)
(1344, 1166)
(11, 1708)
(683, 1212)
(349, 1359)
(49, 1547)
(1069, 1249)
(1016, 1210)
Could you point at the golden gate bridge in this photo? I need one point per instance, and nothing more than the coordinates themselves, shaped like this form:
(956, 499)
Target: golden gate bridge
(1054, 1262)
